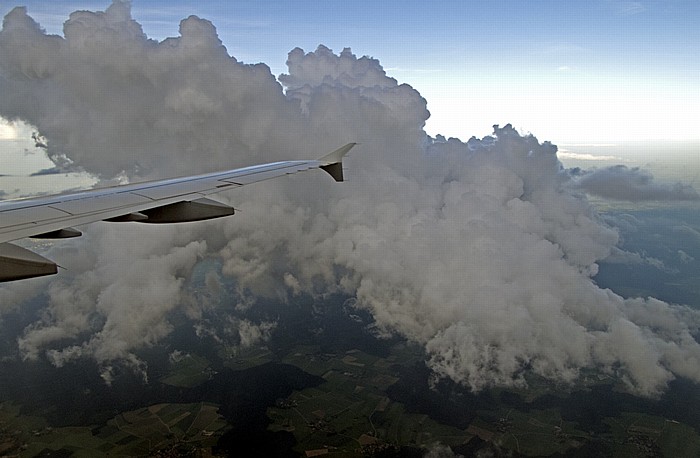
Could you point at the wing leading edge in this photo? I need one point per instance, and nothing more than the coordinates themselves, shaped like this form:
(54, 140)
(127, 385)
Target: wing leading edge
(155, 202)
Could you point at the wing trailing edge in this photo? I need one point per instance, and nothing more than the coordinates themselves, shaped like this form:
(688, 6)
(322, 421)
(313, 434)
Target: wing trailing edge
(162, 201)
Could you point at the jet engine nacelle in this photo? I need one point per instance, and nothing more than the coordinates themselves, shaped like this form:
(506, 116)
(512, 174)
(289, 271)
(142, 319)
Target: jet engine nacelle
(182, 212)
(17, 263)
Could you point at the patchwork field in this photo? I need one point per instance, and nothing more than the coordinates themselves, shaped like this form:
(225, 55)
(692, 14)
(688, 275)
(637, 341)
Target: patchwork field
(134, 433)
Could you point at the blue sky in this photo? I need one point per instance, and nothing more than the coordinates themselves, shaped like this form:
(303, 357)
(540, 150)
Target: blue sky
(566, 71)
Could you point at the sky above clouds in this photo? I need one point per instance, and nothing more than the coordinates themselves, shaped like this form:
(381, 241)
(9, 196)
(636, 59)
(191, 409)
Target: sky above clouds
(601, 70)
(480, 250)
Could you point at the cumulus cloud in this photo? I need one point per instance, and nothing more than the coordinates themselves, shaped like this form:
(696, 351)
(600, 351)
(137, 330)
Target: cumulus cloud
(154, 110)
(618, 256)
(482, 251)
(687, 231)
(633, 184)
(122, 303)
(684, 257)
(437, 450)
(252, 334)
(7, 130)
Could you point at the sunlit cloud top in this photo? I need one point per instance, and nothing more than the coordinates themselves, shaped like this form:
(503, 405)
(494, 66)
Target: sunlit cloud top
(601, 69)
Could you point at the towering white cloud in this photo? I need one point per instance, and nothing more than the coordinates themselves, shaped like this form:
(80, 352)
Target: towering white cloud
(478, 250)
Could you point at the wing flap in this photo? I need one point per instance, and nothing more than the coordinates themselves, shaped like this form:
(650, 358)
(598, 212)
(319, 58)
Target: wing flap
(20, 216)
(100, 203)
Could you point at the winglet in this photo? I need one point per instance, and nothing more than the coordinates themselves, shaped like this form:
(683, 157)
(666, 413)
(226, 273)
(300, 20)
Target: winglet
(333, 162)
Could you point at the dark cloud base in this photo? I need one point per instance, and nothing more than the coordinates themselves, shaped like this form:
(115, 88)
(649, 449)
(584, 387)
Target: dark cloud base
(632, 184)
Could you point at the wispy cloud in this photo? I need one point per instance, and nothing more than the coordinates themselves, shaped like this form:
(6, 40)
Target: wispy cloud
(563, 154)
(626, 8)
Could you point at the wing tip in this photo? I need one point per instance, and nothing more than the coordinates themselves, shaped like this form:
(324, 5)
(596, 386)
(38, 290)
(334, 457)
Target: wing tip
(333, 161)
(337, 155)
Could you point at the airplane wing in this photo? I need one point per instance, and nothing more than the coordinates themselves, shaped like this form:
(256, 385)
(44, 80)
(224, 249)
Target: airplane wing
(163, 201)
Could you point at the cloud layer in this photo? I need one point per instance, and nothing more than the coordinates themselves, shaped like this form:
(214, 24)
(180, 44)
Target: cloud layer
(632, 184)
(478, 250)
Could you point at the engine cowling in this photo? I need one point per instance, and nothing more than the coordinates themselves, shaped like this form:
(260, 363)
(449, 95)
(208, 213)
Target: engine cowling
(17, 263)
(178, 212)
(182, 212)
(65, 233)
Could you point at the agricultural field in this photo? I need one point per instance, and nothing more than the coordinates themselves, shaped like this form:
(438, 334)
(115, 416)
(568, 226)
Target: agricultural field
(135, 433)
(637, 434)
(350, 411)
(188, 371)
(238, 358)
(537, 433)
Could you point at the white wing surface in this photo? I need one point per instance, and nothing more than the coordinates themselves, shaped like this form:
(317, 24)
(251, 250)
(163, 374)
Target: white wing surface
(163, 201)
